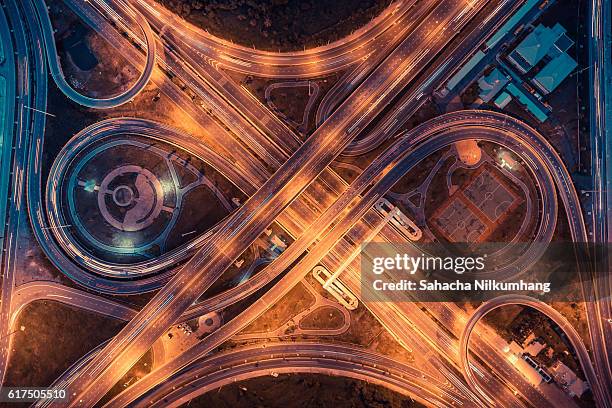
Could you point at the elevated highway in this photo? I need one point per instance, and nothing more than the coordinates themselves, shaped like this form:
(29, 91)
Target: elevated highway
(57, 73)
(600, 122)
(576, 341)
(27, 119)
(389, 26)
(285, 358)
(401, 157)
(76, 262)
(244, 225)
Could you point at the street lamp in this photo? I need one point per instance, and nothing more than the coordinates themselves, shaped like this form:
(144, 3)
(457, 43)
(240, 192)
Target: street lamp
(21, 328)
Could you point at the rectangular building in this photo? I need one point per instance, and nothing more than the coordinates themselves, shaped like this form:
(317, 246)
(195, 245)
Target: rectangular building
(540, 42)
(554, 73)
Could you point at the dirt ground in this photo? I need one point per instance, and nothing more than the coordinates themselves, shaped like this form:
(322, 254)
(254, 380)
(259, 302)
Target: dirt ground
(303, 391)
(55, 337)
(285, 25)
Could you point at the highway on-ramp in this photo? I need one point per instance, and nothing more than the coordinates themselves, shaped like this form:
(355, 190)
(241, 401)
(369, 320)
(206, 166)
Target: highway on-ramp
(55, 65)
(400, 158)
(243, 226)
(324, 358)
(576, 341)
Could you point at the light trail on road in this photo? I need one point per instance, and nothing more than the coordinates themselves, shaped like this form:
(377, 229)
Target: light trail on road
(312, 157)
(399, 159)
(58, 75)
(274, 199)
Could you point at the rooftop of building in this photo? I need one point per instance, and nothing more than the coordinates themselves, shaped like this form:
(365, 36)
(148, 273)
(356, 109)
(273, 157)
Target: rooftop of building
(555, 72)
(490, 85)
(537, 45)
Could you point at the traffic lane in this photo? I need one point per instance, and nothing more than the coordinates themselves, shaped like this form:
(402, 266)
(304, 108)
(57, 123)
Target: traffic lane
(342, 360)
(313, 62)
(551, 313)
(68, 90)
(319, 144)
(314, 256)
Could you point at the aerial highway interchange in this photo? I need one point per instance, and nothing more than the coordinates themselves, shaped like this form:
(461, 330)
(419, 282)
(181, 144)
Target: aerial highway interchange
(193, 223)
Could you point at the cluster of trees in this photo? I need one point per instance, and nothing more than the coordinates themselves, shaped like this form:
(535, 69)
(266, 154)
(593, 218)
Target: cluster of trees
(278, 24)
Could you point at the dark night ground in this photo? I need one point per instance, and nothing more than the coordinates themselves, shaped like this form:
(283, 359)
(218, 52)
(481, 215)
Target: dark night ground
(58, 335)
(285, 25)
(302, 391)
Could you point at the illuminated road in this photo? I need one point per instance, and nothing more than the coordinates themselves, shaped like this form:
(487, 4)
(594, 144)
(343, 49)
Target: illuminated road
(392, 313)
(599, 311)
(56, 67)
(255, 172)
(7, 111)
(28, 117)
(396, 315)
(398, 160)
(409, 103)
(63, 250)
(34, 291)
(218, 248)
(390, 26)
(252, 121)
(248, 221)
(263, 119)
(404, 154)
(40, 290)
(331, 359)
(444, 124)
(574, 338)
(352, 78)
(323, 358)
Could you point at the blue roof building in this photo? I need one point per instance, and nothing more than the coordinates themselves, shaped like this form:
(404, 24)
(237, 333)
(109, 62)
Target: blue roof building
(511, 23)
(554, 73)
(524, 100)
(469, 66)
(539, 43)
(502, 100)
(491, 85)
